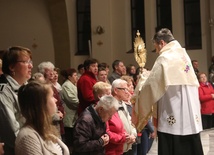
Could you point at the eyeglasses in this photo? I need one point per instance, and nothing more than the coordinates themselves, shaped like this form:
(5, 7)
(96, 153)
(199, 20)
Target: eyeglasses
(26, 62)
(124, 89)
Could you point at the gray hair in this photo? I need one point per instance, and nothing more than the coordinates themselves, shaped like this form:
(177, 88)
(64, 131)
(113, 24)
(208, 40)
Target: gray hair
(163, 34)
(117, 83)
(108, 102)
(45, 65)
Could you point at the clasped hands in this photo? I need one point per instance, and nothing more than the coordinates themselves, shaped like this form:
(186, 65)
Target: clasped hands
(105, 139)
(130, 139)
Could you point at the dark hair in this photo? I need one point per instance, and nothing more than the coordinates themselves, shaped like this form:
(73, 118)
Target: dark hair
(128, 69)
(33, 104)
(68, 72)
(11, 56)
(80, 66)
(57, 70)
(137, 74)
(192, 61)
(88, 62)
(163, 34)
(101, 69)
(138, 70)
(199, 74)
(212, 59)
(115, 63)
(103, 64)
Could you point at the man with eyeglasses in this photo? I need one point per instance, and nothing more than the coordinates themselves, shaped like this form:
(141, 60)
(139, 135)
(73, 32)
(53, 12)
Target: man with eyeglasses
(121, 93)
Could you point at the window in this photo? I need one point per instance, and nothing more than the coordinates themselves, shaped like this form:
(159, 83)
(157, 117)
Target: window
(164, 14)
(83, 8)
(192, 23)
(137, 19)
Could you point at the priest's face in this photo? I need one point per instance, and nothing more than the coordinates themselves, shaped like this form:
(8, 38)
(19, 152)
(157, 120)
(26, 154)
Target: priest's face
(159, 46)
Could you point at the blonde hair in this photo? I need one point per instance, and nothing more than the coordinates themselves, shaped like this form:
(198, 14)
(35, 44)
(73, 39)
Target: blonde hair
(12, 55)
(127, 78)
(99, 88)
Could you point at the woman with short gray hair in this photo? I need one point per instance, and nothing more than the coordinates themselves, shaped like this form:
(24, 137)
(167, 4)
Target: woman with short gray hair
(90, 129)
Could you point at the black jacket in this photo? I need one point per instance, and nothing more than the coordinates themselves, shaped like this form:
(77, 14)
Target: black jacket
(87, 132)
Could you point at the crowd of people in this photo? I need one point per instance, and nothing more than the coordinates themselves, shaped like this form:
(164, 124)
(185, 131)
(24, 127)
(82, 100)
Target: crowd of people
(93, 111)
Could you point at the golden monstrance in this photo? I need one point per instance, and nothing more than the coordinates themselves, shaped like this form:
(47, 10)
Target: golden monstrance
(139, 50)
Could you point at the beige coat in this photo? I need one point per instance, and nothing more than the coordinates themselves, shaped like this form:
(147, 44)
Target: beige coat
(71, 102)
(29, 142)
(127, 124)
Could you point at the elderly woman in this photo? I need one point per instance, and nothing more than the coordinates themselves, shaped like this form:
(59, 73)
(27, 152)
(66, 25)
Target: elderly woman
(95, 147)
(17, 66)
(47, 69)
(90, 135)
(39, 135)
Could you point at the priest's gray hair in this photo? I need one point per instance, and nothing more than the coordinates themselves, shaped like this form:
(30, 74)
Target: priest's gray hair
(163, 34)
(108, 102)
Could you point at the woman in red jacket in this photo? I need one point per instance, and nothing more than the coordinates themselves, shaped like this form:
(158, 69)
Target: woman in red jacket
(85, 85)
(206, 96)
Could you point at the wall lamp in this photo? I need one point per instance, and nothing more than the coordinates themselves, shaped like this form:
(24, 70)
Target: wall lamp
(99, 30)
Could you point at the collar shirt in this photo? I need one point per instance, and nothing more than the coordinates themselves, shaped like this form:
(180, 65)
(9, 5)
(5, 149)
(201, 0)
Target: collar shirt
(127, 124)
